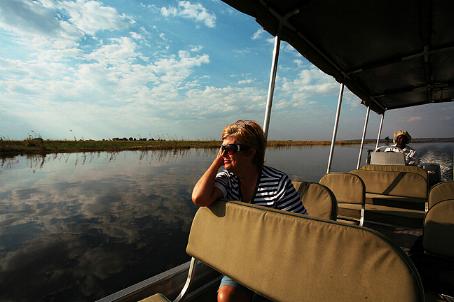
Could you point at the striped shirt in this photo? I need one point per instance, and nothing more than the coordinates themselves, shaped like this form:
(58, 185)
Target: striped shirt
(409, 153)
(274, 190)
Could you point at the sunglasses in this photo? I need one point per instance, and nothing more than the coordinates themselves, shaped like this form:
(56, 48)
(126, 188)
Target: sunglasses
(233, 148)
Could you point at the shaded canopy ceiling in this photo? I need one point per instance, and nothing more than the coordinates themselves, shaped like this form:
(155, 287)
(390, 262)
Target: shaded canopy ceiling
(391, 54)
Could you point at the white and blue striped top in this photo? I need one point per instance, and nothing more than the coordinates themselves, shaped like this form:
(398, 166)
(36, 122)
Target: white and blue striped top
(274, 190)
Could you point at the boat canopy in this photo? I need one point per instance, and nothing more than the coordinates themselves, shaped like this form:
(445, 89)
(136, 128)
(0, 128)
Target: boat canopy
(391, 54)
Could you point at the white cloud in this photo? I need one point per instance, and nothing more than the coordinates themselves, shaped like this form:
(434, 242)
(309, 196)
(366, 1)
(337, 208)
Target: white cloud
(91, 16)
(106, 85)
(310, 83)
(119, 51)
(270, 40)
(257, 34)
(350, 99)
(46, 18)
(53, 30)
(136, 36)
(28, 16)
(223, 101)
(169, 11)
(289, 48)
(241, 82)
(196, 48)
(299, 63)
(196, 12)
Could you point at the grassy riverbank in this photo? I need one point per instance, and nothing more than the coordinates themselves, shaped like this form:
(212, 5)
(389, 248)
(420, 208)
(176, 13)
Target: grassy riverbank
(40, 146)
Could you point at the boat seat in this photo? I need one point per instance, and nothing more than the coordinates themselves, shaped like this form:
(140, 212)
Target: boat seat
(156, 298)
(319, 201)
(349, 191)
(285, 256)
(387, 158)
(435, 259)
(394, 183)
(395, 194)
(402, 189)
(439, 229)
(439, 221)
(396, 168)
(440, 192)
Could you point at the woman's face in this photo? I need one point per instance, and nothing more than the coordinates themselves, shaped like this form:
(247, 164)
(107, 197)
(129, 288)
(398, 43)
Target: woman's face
(233, 161)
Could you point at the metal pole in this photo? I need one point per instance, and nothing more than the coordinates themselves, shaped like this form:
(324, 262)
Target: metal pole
(364, 135)
(336, 123)
(269, 101)
(379, 130)
(189, 279)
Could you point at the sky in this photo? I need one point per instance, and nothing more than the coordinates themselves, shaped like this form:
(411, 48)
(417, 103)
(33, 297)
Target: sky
(90, 69)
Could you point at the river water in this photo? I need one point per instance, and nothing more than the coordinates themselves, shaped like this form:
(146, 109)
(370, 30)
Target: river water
(77, 227)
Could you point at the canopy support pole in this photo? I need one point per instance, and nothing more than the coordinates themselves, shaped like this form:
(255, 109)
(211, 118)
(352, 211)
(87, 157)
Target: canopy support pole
(336, 124)
(379, 130)
(269, 101)
(366, 121)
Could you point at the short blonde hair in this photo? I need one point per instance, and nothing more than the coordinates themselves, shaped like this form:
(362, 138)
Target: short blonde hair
(250, 133)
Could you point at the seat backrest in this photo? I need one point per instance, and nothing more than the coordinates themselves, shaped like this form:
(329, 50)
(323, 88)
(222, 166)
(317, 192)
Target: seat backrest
(396, 168)
(387, 158)
(290, 257)
(347, 187)
(405, 184)
(317, 199)
(440, 192)
(439, 229)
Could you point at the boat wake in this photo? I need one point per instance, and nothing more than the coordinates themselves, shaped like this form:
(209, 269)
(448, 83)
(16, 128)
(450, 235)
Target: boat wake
(441, 157)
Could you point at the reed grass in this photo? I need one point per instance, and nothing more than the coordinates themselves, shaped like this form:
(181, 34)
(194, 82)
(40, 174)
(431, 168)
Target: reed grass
(40, 146)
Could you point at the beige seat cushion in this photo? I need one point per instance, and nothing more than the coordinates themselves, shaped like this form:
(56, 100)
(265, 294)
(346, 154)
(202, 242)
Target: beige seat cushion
(289, 257)
(439, 229)
(440, 192)
(405, 184)
(394, 168)
(318, 199)
(155, 298)
(349, 191)
(347, 187)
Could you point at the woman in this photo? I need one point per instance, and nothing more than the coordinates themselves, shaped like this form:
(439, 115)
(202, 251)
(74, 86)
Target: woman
(244, 178)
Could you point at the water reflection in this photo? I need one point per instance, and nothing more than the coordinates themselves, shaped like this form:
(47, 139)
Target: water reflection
(82, 226)
(77, 227)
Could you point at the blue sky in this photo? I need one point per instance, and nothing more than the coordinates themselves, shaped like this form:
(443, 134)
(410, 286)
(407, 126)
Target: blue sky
(166, 69)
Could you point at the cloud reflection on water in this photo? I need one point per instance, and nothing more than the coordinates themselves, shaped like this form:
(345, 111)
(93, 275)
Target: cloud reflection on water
(80, 231)
(80, 226)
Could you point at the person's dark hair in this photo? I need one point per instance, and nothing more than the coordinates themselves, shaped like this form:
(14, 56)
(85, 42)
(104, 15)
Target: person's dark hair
(250, 133)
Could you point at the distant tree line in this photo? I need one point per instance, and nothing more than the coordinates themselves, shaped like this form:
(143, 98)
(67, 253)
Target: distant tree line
(136, 139)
